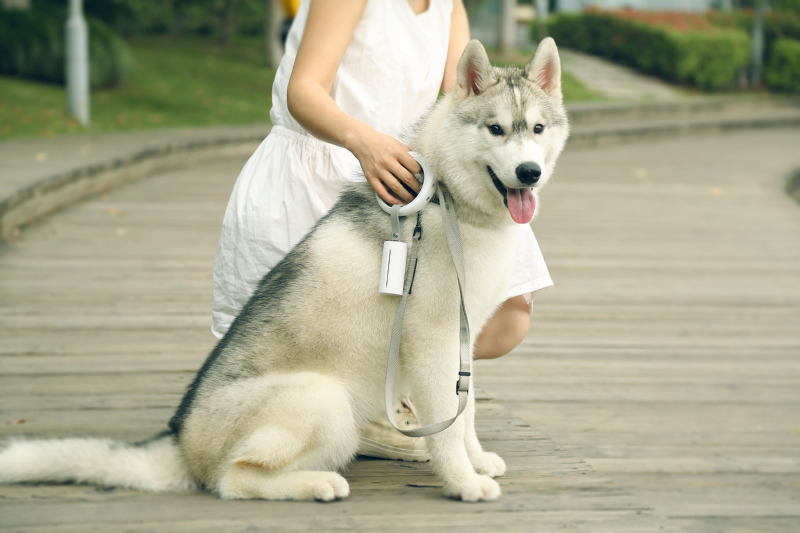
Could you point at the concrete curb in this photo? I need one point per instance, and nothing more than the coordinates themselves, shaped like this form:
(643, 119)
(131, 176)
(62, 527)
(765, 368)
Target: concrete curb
(594, 124)
(792, 186)
(49, 194)
(717, 106)
(633, 133)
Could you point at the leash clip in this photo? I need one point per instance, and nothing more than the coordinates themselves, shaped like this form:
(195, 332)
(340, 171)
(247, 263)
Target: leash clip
(462, 385)
(418, 228)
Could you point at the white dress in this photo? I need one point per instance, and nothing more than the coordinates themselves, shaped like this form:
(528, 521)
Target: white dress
(389, 77)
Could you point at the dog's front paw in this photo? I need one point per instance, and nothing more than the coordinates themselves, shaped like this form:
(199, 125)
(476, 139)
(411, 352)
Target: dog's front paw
(479, 488)
(489, 463)
(328, 487)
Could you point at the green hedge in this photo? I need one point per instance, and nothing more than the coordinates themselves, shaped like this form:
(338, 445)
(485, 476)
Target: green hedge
(712, 59)
(32, 45)
(782, 69)
(780, 30)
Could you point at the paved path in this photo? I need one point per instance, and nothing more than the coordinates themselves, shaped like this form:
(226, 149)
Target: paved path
(104, 318)
(616, 81)
(668, 354)
(659, 389)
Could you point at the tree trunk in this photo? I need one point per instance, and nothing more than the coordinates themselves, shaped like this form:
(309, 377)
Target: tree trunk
(507, 41)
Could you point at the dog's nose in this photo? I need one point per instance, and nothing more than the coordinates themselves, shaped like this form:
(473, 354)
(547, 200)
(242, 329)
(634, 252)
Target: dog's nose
(528, 173)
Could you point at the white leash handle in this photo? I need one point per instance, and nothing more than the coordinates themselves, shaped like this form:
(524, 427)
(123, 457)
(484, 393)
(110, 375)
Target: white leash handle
(423, 196)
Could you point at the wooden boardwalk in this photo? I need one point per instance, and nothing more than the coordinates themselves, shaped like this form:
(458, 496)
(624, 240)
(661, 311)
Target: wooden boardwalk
(659, 389)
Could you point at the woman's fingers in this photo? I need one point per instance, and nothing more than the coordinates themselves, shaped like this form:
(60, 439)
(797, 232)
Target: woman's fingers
(389, 168)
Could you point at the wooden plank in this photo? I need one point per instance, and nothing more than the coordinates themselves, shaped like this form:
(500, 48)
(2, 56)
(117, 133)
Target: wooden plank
(668, 354)
(658, 388)
(104, 329)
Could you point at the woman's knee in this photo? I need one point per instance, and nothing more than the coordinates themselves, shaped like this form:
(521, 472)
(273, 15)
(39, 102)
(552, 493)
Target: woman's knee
(506, 329)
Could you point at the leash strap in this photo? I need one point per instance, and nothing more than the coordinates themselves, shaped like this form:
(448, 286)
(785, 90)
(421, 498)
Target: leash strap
(394, 212)
(450, 225)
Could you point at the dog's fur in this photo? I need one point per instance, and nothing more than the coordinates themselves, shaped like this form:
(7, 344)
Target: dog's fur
(278, 405)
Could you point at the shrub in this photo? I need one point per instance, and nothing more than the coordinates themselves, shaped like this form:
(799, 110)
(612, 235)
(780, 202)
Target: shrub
(32, 45)
(782, 70)
(776, 24)
(111, 59)
(684, 48)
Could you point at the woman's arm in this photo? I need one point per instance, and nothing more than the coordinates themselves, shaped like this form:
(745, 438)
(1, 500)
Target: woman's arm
(328, 32)
(459, 37)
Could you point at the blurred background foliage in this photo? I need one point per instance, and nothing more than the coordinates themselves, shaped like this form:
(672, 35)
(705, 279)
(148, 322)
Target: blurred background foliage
(160, 63)
(710, 51)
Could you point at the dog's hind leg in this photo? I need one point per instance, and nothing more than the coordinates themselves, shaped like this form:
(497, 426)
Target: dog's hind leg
(248, 483)
(304, 433)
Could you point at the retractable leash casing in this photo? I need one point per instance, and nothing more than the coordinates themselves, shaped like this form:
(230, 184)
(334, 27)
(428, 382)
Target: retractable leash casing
(393, 268)
(450, 226)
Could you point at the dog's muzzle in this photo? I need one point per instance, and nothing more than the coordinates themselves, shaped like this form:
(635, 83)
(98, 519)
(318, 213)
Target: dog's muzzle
(521, 202)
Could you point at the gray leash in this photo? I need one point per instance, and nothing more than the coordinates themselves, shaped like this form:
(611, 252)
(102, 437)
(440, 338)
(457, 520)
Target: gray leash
(450, 225)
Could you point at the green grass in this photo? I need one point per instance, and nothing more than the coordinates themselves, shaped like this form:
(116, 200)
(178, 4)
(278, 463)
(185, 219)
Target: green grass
(177, 82)
(189, 81)
(575, 91)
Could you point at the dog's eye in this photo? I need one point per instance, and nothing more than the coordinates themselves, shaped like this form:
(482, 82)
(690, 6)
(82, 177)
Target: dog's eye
(496, 130)
(539, 128)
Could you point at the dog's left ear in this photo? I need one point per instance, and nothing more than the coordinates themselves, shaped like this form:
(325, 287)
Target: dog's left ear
(545, 68)
(474, 70)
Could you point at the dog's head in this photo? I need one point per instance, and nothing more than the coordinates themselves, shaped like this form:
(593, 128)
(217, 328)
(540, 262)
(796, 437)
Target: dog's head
(506, 125)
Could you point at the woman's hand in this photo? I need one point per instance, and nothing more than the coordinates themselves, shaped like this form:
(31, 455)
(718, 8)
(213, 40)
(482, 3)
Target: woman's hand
(385, 161)
(387, 165)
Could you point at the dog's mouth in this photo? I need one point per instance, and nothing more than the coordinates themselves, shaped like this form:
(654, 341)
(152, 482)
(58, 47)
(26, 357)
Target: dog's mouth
(521, 203)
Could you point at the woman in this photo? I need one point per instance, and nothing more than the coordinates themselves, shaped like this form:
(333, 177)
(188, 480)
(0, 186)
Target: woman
(355, 75)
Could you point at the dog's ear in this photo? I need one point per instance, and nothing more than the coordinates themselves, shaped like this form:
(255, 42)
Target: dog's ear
(545, 68)
(474, 70)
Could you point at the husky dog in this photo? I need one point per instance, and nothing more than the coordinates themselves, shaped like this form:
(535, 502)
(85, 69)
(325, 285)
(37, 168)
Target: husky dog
(278, 405)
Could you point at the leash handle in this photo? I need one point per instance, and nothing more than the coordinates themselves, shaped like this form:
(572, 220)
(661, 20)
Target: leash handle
(450, 225)
(423, 196)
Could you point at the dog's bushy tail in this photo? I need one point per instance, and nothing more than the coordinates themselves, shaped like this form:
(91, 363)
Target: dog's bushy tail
(155, 465)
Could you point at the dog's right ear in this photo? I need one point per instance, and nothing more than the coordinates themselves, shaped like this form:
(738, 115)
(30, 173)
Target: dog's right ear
(474, 70)
(545, 68)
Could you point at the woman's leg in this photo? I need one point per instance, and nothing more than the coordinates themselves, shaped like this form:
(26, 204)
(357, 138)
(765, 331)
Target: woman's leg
(505, 329)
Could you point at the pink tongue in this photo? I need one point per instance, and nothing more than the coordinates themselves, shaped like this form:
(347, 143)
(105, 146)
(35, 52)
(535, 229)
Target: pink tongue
(521, 205)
